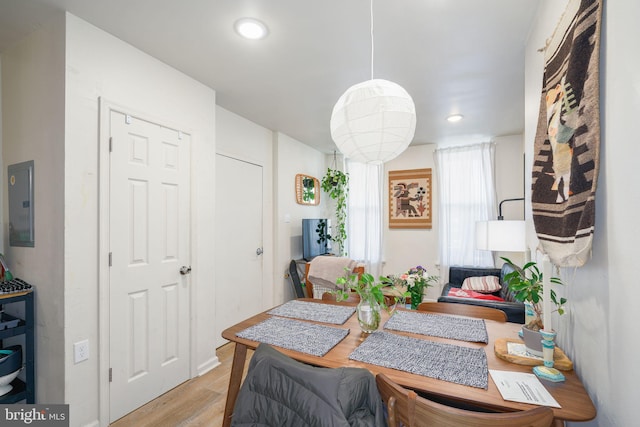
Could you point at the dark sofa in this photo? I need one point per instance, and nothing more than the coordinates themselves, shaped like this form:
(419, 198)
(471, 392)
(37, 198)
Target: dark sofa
(513, 308)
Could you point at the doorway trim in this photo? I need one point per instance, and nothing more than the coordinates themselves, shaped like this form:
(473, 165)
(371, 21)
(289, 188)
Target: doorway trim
(105, 107)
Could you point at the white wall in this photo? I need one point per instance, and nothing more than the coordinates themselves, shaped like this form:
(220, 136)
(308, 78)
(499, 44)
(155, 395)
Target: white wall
(293, 157)
(33, 129)
(242, 139)
(99, 65)
(282, 157)
(404, 249)
(599, 331)
(510, 174)
(509, 164)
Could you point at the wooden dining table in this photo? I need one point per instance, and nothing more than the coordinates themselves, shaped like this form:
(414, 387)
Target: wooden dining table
(576, 405)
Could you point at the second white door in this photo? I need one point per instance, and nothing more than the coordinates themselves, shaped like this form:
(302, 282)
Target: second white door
(238, 242)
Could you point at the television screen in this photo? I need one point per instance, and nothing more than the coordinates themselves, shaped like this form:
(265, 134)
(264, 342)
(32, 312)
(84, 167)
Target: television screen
(316, 238)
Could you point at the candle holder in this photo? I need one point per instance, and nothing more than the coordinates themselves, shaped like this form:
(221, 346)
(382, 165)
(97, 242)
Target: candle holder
(548, 372)
(548, 345)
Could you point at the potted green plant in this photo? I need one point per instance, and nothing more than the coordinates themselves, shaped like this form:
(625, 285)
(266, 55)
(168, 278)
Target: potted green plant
(526, 283)
(372, 298)
(336, 184)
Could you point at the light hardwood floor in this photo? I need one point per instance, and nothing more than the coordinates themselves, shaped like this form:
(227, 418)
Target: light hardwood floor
(197, 402)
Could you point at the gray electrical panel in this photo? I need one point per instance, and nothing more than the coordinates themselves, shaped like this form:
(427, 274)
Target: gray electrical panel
(21, 231)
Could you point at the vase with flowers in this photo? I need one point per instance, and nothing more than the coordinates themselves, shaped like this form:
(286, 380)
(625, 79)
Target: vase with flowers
(415, 281)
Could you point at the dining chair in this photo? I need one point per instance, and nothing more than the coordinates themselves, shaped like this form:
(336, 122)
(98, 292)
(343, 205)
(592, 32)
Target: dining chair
(406, 408)
(280, 391)
(353, 297)
(390, 301)
(464, 310)
(298, 288)
(317, 290)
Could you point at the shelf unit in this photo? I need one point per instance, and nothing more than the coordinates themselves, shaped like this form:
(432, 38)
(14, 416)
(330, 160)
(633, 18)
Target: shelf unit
(22, 390)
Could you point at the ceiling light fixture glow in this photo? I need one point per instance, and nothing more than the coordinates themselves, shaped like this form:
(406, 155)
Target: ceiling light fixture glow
(251, 28)
(454, 118)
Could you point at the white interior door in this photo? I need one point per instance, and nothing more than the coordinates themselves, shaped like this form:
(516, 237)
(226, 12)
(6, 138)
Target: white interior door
(149, 243)
(238, 242)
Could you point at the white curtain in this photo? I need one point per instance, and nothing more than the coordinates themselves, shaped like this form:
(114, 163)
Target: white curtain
(466, 195)
(364, 224)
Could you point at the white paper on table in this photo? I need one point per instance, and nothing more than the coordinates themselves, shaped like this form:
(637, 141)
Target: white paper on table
(522, 387)
(519, 349)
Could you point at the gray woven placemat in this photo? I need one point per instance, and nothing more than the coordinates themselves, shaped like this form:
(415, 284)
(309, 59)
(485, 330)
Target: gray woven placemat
(439, 325)
(304, 337)
(326, 313)
(448, 362)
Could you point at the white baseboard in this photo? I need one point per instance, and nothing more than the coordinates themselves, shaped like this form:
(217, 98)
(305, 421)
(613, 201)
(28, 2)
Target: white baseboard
(208, 365)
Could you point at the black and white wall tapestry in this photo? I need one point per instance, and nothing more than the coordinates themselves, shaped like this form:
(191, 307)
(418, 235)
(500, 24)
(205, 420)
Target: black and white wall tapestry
(566, 148)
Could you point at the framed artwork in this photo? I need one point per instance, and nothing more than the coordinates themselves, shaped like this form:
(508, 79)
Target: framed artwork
(410, 198)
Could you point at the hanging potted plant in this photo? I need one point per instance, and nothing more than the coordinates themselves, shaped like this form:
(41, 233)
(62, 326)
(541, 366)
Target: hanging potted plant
(336, 184)
(526, 284)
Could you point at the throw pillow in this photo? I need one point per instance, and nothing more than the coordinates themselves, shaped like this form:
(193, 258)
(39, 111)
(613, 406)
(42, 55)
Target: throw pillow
(460, 293)
(484, 284)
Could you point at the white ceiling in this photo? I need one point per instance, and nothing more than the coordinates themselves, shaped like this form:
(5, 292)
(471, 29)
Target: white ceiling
(452, 56)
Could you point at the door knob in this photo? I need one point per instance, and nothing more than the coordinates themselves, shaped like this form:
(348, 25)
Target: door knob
(184, 270)
(259, 251)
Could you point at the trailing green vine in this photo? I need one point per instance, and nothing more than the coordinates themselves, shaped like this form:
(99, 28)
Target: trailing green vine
(336, 184)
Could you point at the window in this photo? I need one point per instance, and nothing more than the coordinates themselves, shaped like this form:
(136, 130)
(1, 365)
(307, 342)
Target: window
(364, 228)
(467, 195)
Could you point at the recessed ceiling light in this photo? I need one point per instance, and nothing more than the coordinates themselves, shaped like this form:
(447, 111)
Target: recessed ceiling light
(454, 118)
(251, 28)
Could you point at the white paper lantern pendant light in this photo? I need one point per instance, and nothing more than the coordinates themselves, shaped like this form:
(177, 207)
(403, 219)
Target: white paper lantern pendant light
(373, 121)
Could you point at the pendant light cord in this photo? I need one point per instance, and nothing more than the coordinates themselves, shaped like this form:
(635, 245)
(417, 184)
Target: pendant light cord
(372, 49)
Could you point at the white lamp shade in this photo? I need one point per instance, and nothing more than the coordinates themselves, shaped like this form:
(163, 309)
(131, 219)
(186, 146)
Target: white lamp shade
(507, 236)
(373, 121)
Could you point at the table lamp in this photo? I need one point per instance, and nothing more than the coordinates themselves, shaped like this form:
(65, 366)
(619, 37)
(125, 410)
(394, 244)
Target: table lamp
(501, 235)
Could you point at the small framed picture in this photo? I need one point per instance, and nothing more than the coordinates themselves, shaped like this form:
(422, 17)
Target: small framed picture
(410, 198)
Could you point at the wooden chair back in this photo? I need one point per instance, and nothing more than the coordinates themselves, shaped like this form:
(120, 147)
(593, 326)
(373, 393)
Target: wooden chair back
(406, 408)
(464, 310)
(295, 280)
(400, 402)
(353, 297)
(359, 270)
